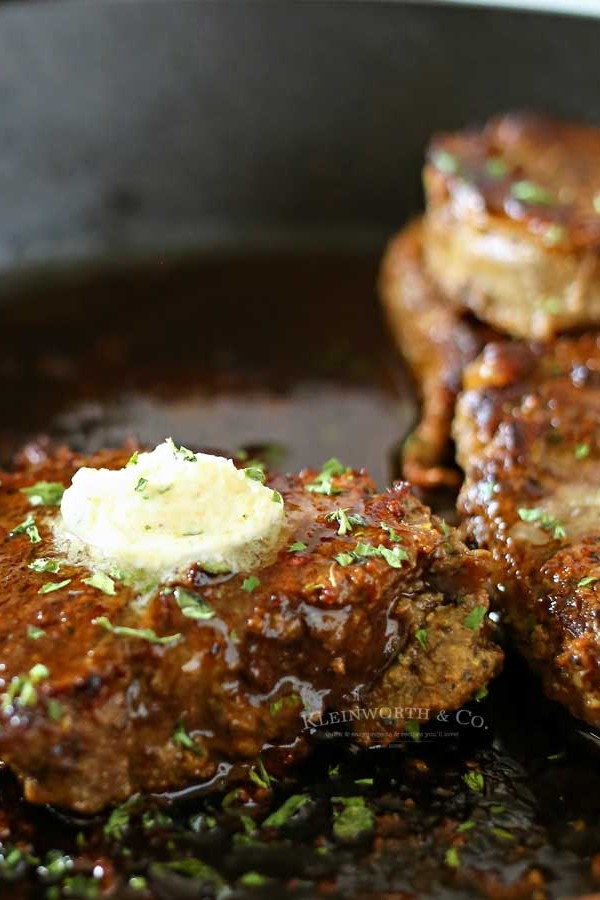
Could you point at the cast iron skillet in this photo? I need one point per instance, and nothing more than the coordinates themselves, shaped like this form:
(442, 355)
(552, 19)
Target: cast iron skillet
(271, 146)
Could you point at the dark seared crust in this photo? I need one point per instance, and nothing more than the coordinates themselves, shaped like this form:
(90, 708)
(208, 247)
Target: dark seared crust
(313, 629)
(527, 435)
(526, 262)
(437, 341)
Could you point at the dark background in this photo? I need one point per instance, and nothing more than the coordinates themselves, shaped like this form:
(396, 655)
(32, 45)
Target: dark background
(143, 127)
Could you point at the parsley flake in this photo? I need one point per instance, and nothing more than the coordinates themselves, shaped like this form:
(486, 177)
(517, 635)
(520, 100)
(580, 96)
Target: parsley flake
(146, 634)
(475, 617)
(22, 688)
(529, 192)
(352, 819)
(34, 634)
(193, 605)
(250, 584)
(474, 781)
(413, 728)
(281, 816)
(445, 162)
(543, 520)
(133, 459)
(29, 528)
(183, 739)
(141, 484)
(323, 483)
(421, 636)
(589, 580)
(496, 167)
(393, 535)
(52, 586)
(581, 451)
(255, 473)
(43, 564)
(451, 858)
(345, 522)
(45, 493)
(102, 582)
(297, 547)
(344, 559)
(182, 451)
(394, 557)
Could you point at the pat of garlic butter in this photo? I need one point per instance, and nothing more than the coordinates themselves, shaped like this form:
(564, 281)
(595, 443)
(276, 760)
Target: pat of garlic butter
(168, 509)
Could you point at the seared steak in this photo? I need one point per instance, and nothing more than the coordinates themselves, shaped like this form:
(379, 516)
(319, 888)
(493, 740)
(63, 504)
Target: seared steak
(437, 341)
(513, 223)
(105, 694)
(528, 438)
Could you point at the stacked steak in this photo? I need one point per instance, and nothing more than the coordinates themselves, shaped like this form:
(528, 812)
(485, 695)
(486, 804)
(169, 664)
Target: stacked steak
(479, 295)
(109, 687)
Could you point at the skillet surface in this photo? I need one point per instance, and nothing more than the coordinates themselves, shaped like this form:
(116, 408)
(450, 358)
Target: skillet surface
(287, 358)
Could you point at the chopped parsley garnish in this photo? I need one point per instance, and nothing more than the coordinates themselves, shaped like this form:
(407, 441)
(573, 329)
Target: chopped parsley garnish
(529, 192)
(29, 528)
(297, 547)
(193, 605)
(589, 580)
(502, 833)
(250, 584)
(102, 582)
(344, 559)
(393, 557)
(52, 586)
(323, 483)
(182, 451)
(475, 617)
(255, 473)
(345, 522)
(43, 564)
(55, 709)
(413, 728)
(260, 776)
(277, 705)
(191, 868)
(445, 162)
(581, 451)
(281, 816)
(141, 484)
(117, 823)
(421, 636)
(554, 234)
(145, 634)
(481, 694)
(183, 739)
(45, 493)
(465, 826)
(133, 459)
(488, 489)
(34, 634)
(276, 497)
(452, 858)
(496, 167)
(544, 520)
(352, 818)
(22, 688)
(394, 536)
(253, 879)
(552, 305)
(474, 781)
